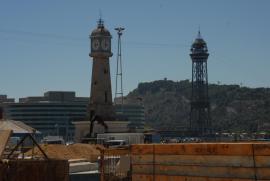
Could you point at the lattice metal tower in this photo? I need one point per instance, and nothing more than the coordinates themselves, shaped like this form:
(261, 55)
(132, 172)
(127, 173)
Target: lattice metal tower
(119, 73)
(200, 123)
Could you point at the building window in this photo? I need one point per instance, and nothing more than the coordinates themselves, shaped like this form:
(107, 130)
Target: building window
(95, 83)
(105, 71)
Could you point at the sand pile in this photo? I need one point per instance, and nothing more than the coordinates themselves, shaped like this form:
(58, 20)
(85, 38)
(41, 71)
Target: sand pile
(67, 152)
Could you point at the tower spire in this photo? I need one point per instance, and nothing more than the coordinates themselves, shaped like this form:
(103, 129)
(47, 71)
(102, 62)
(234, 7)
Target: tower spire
(100, 14)
(100, 20)
(199, 33)
(100, 23)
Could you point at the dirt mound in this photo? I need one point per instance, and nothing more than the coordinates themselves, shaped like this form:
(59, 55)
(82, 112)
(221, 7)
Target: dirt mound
(67, 152)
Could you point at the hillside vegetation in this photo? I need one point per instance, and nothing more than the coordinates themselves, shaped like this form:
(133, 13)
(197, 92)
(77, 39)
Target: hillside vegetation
(233, 108)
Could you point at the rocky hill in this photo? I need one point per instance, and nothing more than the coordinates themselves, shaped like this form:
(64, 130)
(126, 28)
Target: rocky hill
(233, 108)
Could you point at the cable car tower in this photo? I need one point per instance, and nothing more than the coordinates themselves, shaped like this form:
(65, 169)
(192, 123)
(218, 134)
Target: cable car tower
(200, 123)
(119, 73)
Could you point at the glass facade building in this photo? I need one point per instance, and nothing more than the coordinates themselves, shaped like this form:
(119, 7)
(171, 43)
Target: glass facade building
(51, 114)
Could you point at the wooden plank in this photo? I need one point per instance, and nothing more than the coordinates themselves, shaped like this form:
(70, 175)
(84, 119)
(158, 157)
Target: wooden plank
(33, 170)
(262, 161)
(143, 169)
(139, 177)
(142, 149)
(200, 160)
(199, 171)
(116, 151)
(179, 178)
(204, 149)
(263, 173)
(4, 137)
(3, 171)
(185, 178)
(203, 160)
(261, 149)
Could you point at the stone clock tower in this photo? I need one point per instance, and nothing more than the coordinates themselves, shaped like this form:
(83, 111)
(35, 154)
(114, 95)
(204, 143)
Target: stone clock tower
(101, 91)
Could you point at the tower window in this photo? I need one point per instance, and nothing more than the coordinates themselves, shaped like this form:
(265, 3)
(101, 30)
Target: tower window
(105, 71)
(106, 97)
(95, 83)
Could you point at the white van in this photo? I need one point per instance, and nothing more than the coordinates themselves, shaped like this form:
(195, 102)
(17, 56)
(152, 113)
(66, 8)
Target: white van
(115, 143)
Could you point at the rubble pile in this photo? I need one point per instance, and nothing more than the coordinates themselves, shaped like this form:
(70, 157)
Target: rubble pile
(67, 152)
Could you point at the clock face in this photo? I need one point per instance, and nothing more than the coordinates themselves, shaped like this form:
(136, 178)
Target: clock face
(95, 44)
(105, 44)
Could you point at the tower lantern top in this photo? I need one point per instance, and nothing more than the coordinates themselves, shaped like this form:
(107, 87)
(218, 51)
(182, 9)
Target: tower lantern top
(100, 30)
(199, 45)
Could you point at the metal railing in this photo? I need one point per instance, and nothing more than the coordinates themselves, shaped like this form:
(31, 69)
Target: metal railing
(115, 164)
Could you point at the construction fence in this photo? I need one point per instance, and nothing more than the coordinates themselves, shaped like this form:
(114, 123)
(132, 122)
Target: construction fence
(34, 170)
(188, 162)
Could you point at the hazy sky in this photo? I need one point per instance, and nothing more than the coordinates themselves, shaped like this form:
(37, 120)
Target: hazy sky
(44, 45)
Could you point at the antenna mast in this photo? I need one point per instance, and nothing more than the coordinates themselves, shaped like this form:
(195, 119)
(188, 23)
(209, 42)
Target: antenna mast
(119, 73)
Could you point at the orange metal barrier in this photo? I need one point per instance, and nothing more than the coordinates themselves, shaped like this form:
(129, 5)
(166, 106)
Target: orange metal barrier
(201, 162)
